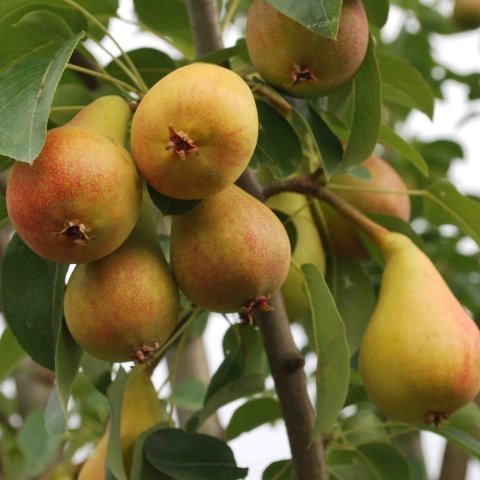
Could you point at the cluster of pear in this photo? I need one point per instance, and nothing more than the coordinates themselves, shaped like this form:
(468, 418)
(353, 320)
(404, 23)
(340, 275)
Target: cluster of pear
(81, 203)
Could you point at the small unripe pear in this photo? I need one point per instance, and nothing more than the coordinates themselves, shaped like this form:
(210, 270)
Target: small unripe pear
(308, 249)
(81, 198)
(195, 131)
(420, 355)
(230, 253)
(384, 192)
(299, 62)
(124, 306)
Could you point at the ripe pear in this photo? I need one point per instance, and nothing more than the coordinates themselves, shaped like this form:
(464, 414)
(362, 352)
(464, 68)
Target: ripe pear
(308, 249)
(195, 131)
(124, 306)
(81, 198)
(344, 240)
(230, 253)
(466, 14)
(420, 355)
(141, 410)
(302, 63)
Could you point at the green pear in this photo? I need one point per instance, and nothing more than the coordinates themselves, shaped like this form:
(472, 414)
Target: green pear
(124, 306)
(466, 14)
(384, 192)
(299, 62)
(308, 249)
(230, 253)
(81, 197)
(420, 355)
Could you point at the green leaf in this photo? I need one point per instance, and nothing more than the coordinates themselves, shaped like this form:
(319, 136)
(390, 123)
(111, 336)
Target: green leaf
(151, 63)
(407, 150)
(354, 298)
(69, 95)
(3, 210)
(404, 85)
(98, 372)
(12, 353)
(191, 456)
(26, 93)
(241, 387)
(386, 460)
(278, 147)
(377, 11)
(367, 111)
(319, 17)
(67, 362)
(462, 211)
(280, 470)
(5, 162)
(38, 447)
(114, 456)
(171, 206)
(170, 22)
(352, 472)
(189, 394)
(333, 365)
(45, 21)
(460, 438)
(328, 143)
(36, 319)
(251, 415)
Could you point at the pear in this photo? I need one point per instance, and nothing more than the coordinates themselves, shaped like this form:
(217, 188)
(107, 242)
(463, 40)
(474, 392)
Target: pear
(391, 198)
(302, 63)
(81, 197)
(420, 355)
(308, 249)
(124, 306)
(466, 14)
(141, 410)
(230, 253)
(195, 131)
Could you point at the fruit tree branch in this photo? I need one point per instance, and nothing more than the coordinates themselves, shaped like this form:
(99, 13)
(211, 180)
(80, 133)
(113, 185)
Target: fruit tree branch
(285, 360)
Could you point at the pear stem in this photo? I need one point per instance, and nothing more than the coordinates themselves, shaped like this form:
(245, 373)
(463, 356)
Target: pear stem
(312, 185)
(119, 83)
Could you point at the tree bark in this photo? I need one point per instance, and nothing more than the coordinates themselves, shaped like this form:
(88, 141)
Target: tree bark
(286, 362)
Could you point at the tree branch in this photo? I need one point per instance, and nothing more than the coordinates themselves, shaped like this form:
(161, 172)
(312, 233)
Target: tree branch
(284, 358)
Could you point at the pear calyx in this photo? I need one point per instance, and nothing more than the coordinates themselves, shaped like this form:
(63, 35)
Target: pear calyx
(300, 74)
(259, 303)
(435, 417)
(76, 231)
(181, 143)
(145, 352)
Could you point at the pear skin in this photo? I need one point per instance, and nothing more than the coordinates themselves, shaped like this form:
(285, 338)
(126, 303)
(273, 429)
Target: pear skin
(308, 249)
(141, 410)
(81, 198)
(304, 64)
(124, 306)
(420, 355)
(344, 240)
(195, 131)
(229, 252)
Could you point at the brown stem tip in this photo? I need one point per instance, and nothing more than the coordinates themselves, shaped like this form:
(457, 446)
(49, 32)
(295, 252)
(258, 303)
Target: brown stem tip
(301, 74)
(181, 143)
(435, 417)
(145, 352)
(259, 303)
(76, 231)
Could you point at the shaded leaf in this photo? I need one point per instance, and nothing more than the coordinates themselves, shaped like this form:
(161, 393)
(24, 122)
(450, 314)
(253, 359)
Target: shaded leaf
(36, 319)
(191, 456)
(171, 206)
(189, 394)
(386, 460)
(367, 111)
(251, 415)
(333, 365)
(280, 470)
(377, 11)
(26, 92)
(12, 353)
(98, 372)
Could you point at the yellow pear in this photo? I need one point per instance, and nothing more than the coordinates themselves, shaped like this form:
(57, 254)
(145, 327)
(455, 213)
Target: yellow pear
(81, 198)
(308, 249)
(420, 355)
(124, 306)
(141, 410)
